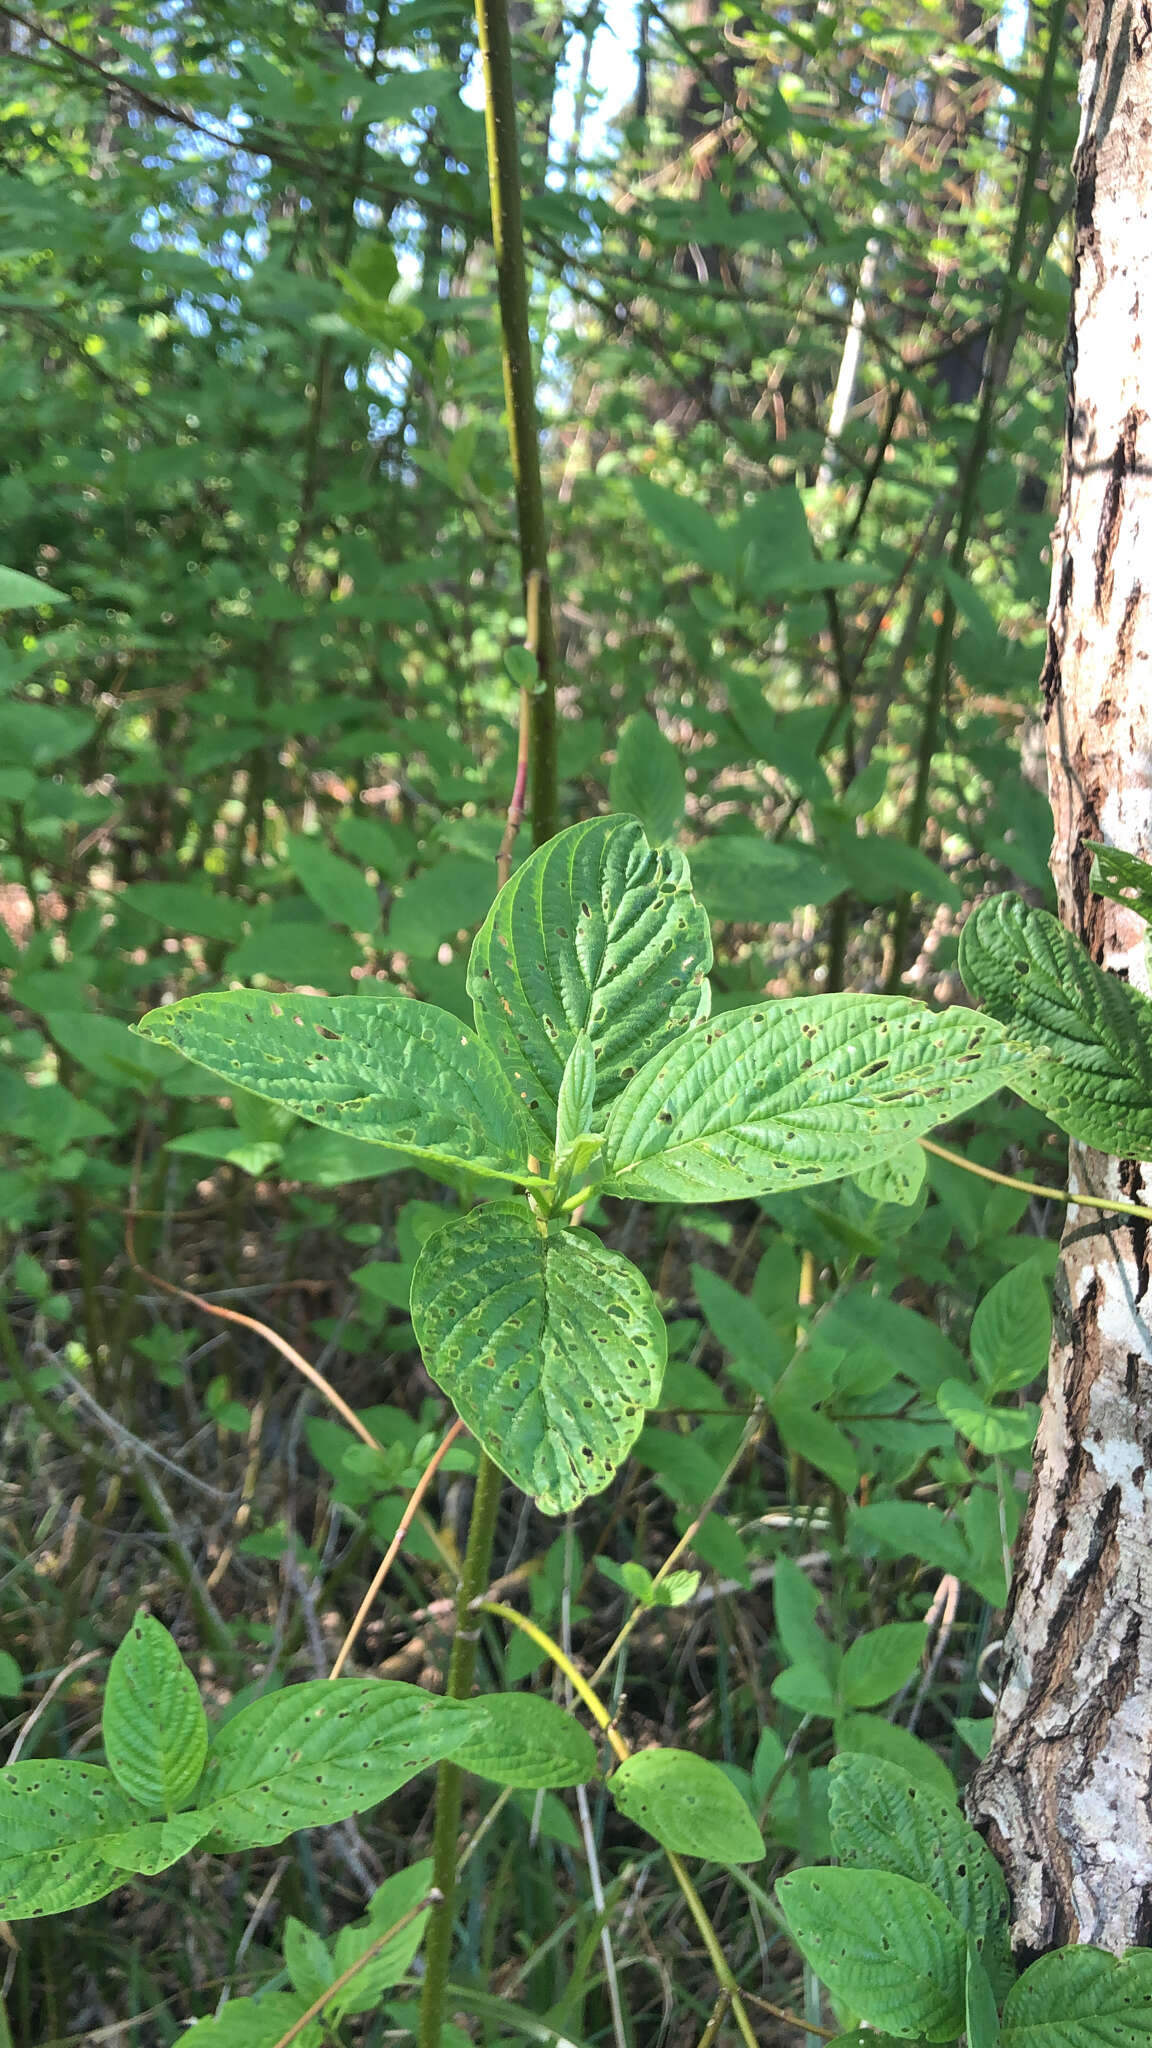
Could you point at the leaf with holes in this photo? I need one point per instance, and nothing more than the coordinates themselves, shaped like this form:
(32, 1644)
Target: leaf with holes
(401, 1074)
(884, 1819)
(1079, 1997)
(155, 1732)
(688, 1804)
(897, 1178)
(1123, 877)
(56, 1821)
(883, 1945)
(530, 1743)
(797, 1091)
(1092, 1033)
(596, 933)
(319, 1752)
(550, 1346)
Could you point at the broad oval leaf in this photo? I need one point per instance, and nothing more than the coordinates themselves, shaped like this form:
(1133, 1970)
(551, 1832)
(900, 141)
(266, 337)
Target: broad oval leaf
(990, 1430)
(1078, 1997)
(1012, 1330)
(884, 1818)
(399, 1073)
(1095, 1030)
(688, 1804)
(318, 1752)
(550, 1346)
(798, 1091)
(881, 1660)
(56, 1820)
(597, 933)
(154, 1727)
(883, 1945)
(529, 1743)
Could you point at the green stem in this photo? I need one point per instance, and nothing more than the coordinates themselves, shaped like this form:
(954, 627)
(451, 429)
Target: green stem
(495, 38)
(1000, 346)
(461, 1670)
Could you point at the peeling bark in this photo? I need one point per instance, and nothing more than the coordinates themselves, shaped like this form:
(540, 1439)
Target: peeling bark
(1065, 1796)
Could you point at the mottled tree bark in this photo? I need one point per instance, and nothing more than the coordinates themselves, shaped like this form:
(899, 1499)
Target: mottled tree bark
(1066, 1794)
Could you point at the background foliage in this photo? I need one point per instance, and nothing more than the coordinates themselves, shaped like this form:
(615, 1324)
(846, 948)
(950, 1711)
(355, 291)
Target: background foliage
(799, 288)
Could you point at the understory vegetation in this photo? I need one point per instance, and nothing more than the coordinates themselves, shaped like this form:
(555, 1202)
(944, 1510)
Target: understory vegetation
(296, 675)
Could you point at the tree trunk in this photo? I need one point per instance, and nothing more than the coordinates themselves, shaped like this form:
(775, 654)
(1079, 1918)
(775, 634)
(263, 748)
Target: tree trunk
(1064, 1794)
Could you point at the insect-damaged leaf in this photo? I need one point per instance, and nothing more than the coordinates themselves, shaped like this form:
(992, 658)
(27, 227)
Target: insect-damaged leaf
(796, 1092)
(399, 1073)
(550, 1346)
(597, 933)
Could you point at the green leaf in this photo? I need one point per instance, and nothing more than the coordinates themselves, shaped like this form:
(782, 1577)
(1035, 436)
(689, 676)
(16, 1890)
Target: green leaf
(691, 529)
(18, 592)
(550, 1346)
(528, 1742)
(877, 1663)
(908, 1528)
(185, 907)
(797, 1091)
(1091, 1031)
(399, 1073)
(395, 1897)
(688, 1804)
(1080, 1997)
(597, 933)
(795, 1603)
(1012, 1330)
(743, 880)
(808, 1434)
(1121, 876)
(56, 1820)
(38, 735)
(149, 1846)
(306, 1959)
(318, 1752)
(333, 884)
(805, 1689)
(450, 897)
(154, 1727)
(884, 1946)
(756, 1349)
(647, 781)
(296, 952)
(898, 1178)
(981, 2020)
(870, 1735)
(990, 1430)
(259, 2023)
(883, 1818)
(577, 1095)
(880, 869)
